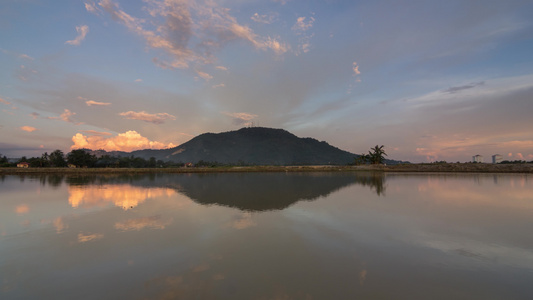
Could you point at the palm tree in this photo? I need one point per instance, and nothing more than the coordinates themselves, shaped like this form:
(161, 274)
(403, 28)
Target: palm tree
(377, 154)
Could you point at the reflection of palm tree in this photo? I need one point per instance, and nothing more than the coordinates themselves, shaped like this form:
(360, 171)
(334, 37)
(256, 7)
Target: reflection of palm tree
(373, 180)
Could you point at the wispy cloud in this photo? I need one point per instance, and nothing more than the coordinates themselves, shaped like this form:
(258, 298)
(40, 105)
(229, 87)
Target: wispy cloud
(455, 89)
(138, 80)
(92, 102)
(218, 85)
(99, 133)
(34, 115)
(265, 19)
(128, 141)
(28, 128)
(65, 116)
(191, 33)
(242, 118)
(82, 32)
(158, 118)
(3, 101)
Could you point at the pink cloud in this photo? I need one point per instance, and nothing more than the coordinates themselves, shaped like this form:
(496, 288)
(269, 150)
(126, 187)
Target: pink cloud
(241, 119)
(82, 32)
(158, 118)
(91, 103)
(128, 141)
(28, 128)
(4, 101)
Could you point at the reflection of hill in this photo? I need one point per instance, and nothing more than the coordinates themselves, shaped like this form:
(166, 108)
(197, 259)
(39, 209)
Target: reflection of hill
(264, 191)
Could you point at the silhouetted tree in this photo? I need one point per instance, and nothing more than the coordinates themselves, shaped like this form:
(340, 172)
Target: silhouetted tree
(377, 154)
(57, 159)
(81, 158)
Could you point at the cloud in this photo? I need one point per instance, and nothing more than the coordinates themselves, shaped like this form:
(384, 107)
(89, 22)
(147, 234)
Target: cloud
(28, 128)
(91, 103)
(241, 119)
(158, 118)
(218, 85)
(34, 115)
(128, 141)
(3, 101)
(455, 89)
(300, 28)
(355, 69)
(94, 132)
(265, 19)
(92, 8)
(65, 116)
(82, 32)
(189, 32)
(25, 56)
(302, 25)
(138, 80)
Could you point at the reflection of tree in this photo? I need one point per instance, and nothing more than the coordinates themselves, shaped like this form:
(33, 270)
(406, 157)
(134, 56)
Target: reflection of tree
(373, 180)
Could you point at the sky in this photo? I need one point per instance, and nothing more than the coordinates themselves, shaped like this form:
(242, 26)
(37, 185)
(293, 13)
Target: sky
(429, 80)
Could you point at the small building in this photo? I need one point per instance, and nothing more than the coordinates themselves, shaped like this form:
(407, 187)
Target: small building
(477, 158)
(23, 165)
(497, 158)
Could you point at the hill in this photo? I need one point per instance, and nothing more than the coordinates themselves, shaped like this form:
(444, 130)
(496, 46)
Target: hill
(256, 146)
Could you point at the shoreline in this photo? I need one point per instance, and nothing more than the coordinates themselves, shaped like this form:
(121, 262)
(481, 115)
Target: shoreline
(405, 168)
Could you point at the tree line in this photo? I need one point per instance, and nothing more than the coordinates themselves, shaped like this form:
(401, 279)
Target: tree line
(80, 158)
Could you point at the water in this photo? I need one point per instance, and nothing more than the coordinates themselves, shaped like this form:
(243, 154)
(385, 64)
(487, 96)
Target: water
(267, 236)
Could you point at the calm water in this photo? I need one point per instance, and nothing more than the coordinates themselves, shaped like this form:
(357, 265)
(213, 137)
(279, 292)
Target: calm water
(267, 236)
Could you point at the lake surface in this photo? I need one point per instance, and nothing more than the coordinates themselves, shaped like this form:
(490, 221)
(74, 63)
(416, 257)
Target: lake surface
(267, 236)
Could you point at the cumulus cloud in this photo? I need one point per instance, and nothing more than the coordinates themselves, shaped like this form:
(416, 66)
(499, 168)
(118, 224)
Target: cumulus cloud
(241, 119)
(158, 118)
(28, 128)
(82, 32)
(189, 32)
(128, 141)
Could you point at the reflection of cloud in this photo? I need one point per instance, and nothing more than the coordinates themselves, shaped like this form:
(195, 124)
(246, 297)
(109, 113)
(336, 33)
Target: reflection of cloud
(245, 221)
(201, 267)
(158, 118)
(124, 196)
(82, 32)
(128, 141)
(22, 209)
(154, 222)
(83, 238)
(59, 225)
(362, 277)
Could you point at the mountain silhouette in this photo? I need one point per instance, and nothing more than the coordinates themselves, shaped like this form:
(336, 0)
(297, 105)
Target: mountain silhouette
(253, 146)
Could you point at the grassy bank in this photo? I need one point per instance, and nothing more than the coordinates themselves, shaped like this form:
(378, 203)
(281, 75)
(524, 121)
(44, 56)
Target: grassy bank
(444, 167)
